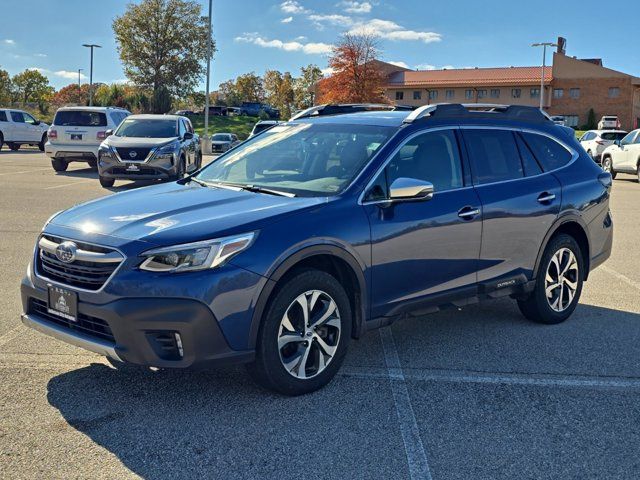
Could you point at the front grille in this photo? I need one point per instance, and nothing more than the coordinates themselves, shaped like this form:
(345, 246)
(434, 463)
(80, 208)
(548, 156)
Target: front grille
(133, 173)
(217, 148)
(83, 274)
(91, 326)
(140, 154)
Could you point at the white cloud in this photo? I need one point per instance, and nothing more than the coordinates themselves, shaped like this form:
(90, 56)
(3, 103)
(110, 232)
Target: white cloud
(8, 41)
(427, 66)
(327, 71)
(41, 55)
(389, 30)
(399, 64)
(69, 75)
(356, 7)
(291, 6)
(292, 46)
(286, 20)
(335, 19)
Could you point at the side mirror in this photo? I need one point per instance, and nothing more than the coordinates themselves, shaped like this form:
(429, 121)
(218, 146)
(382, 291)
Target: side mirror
(187, 135)
(37, 122)
(108, 133)
(410, 189)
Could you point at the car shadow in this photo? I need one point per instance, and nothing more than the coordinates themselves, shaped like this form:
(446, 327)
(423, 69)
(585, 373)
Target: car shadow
(218, 424)
(86, 172)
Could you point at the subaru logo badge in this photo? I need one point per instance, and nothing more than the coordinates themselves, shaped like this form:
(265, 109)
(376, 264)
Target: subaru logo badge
(66, 252)
(133, 153)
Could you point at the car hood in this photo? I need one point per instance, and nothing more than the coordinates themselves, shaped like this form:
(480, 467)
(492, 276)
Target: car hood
(179, 212)
(129, 142)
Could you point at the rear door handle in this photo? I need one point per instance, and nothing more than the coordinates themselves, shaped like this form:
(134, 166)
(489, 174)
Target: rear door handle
(468, 213)
(546, 197)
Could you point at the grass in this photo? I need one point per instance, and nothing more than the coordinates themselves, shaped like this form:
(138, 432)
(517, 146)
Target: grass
(239, 125)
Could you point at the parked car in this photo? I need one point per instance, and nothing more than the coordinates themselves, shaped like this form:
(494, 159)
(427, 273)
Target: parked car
(309, 235)
(609, 122)
(18, 127)
(149, 147)
(595, 141)
(77, 132)
(623, 156)
(558, 120)
(186, 113)
(216, 110)
(254, 109)
(263, 125)
(221, 142)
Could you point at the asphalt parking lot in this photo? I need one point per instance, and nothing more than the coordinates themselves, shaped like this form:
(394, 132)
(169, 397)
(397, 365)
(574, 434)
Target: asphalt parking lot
(476, 393)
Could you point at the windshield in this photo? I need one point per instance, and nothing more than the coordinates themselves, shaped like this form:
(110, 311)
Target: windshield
(80, 118)
(305, 159)
(220, 137)
(147, 128)
(613, 135)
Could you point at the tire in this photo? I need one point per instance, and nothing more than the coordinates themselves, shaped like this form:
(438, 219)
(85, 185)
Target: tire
(93, 164)
(106, 182)
(590, 154)
(1, 141)
(59, 164)
(42, 142)
(555, 309)
(638, 172)
(199, 161)
(331, 336)
(14, 147)
(181, 169)
(607, 166)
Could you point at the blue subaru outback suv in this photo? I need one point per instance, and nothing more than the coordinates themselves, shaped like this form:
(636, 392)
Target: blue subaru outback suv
(302, 238)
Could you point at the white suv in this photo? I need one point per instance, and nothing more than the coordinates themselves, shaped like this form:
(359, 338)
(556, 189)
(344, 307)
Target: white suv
(595, 141)
(77, 132)
(609, 121)
(20, 128)
(623, 156)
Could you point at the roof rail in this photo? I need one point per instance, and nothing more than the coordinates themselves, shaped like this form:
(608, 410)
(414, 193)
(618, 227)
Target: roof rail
(519, 112)
(342, 108)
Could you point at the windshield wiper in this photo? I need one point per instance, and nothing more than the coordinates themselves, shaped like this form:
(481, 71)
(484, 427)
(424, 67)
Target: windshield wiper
(250, 188)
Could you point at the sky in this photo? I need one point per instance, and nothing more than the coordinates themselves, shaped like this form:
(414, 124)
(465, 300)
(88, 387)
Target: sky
(256, 35)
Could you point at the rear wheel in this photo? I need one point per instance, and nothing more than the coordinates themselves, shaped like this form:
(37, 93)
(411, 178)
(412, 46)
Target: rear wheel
(559, 283)
(1, 141)
(42, 142)
(107, 182)
(14, 147)
(59, 164)
(304, 334)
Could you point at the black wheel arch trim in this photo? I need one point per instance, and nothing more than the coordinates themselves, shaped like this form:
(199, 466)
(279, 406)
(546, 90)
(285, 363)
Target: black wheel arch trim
(569, 217)
(290, 262)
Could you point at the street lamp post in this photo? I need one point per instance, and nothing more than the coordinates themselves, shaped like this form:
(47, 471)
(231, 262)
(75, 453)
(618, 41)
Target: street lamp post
(79, 86)
(206, 141)
(91, 46)
(544, 46)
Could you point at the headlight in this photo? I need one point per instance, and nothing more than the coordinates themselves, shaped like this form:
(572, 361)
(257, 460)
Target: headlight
(196, 256)
(105, 151)
(166, 151)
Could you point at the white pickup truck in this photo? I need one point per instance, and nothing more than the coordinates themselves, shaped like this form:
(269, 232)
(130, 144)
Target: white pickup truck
(20, 128)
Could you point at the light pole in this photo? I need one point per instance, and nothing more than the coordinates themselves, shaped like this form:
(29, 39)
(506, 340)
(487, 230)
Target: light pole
(206, 140)
(544, 46)
(91, 46)
(79, 86)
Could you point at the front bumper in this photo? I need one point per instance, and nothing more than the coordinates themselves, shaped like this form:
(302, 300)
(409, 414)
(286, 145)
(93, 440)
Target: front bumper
(138, 330)
(152, 169)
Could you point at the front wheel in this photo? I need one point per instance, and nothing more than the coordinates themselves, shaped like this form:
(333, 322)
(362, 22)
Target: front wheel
(93, 164)
(14, 147)
(559, 283)
(181, 169)
(607, 166)
(304, 334)
(106, 182)
(43, 140)
(59, 164)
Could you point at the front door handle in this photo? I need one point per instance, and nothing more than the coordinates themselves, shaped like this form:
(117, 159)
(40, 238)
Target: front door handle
(468, 213)
(546, 197)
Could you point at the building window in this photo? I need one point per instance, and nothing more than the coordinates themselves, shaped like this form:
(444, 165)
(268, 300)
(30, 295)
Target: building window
(433, 94)
(574, 92)
(399, 95)
(535, 93)
(495, 93)
(468, 94)
(571, 120)
(516, 92)
(614, 92)
(482, 93)
(450, 94)
(417, 94)
(558, 93)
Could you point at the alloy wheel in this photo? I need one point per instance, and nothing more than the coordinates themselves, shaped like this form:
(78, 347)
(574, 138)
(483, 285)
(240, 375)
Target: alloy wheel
(309, 334)
(561, 280)
(606, 165)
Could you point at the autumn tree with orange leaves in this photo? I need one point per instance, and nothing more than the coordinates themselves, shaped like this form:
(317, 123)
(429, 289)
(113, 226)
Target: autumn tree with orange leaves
(356, 77)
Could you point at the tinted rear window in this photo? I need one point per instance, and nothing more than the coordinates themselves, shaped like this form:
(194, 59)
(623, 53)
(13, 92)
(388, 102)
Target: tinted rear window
(613, 135)
(549, 153)
(494, 154)
(80, 118)
(3, 116)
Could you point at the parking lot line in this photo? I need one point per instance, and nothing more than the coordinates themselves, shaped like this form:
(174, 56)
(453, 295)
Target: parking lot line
(24, 171)
(414, 449)
(10, 335)
(70, 184)
(620, 276)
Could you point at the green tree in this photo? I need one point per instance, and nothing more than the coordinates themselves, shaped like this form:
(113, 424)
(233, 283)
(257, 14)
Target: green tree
(228, 93)
(305, 86)
(161, 100)
(591, 120)
(163, 45)
(31, 86)
(249, 88)
(279, 91)
(5, 88)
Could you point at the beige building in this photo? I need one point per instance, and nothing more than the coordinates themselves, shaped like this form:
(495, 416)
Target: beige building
(571, 88)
